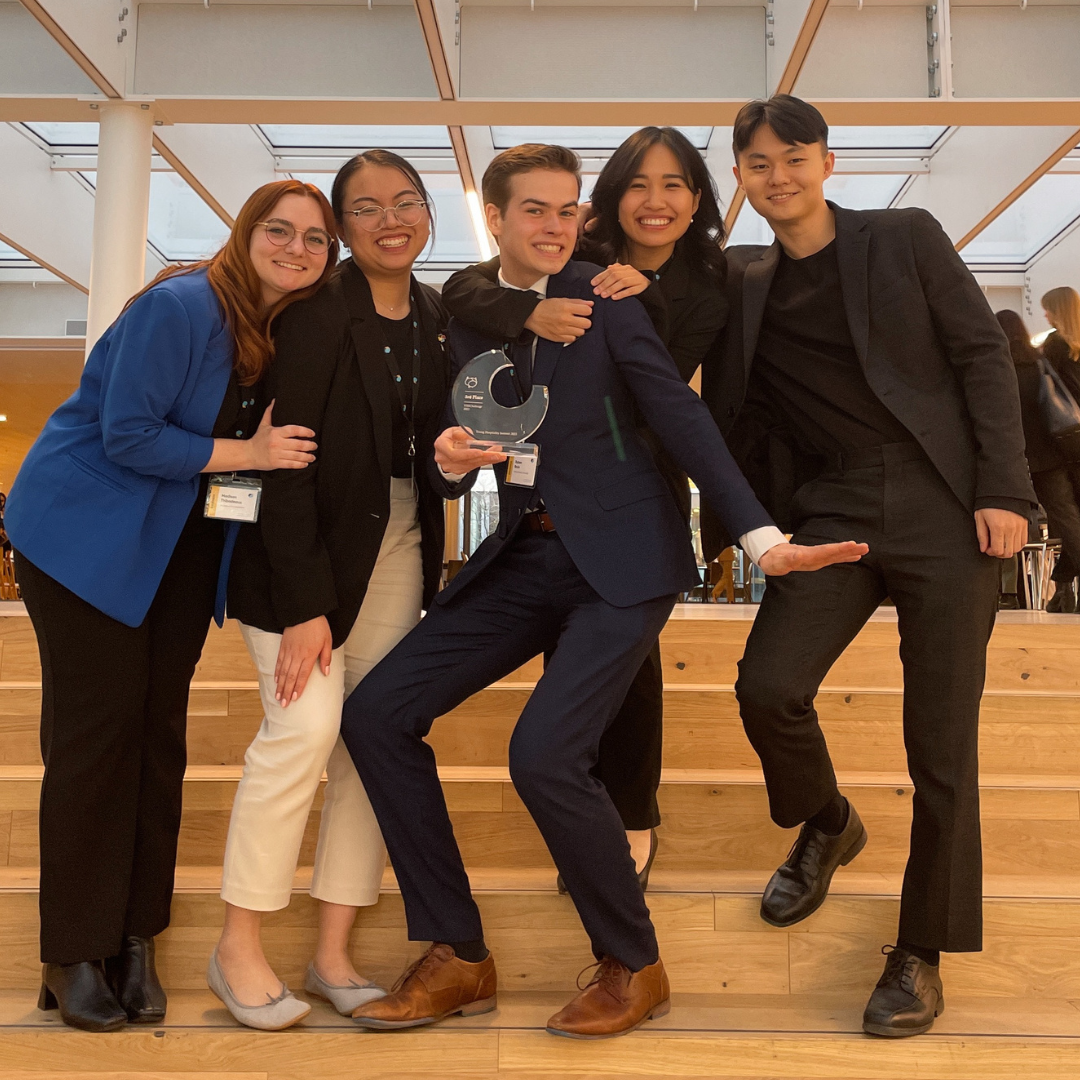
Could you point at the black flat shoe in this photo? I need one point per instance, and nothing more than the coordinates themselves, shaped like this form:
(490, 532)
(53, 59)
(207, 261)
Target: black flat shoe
(643, 873)
(135, 983)
(800, 886)
(907, 999)
(81, 993)
(1063, 602)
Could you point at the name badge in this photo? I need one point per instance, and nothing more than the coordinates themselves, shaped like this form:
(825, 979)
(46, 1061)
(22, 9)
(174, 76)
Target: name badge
(521, 468)
(233, 498)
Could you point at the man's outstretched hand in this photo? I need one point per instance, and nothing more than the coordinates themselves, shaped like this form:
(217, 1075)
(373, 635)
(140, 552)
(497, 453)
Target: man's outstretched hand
(784, 558)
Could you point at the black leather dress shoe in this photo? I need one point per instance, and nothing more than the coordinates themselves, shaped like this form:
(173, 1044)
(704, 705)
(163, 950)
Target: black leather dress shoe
(800, 886)
(907, 998)
(135, 983)
(1063, 602)
(81, 993)
(643, 873)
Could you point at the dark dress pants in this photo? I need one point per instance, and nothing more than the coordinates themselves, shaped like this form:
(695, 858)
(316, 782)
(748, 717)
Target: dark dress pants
(531, 599)
(1056, 491)
(113, 739)
(924, 554)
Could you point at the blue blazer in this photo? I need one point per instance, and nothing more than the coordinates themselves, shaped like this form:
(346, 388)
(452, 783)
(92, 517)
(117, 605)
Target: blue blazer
(613, 509)
(104, 492)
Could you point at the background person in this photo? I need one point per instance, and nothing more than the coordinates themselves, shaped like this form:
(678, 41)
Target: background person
(657, 227)
(118, 568)
(1049, 470)
(335, 575)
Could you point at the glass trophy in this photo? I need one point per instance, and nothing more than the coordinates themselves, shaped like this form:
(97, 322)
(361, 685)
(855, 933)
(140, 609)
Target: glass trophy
(493, 426)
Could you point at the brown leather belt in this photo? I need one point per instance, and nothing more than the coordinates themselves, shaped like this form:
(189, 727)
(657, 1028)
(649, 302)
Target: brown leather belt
(539, 521)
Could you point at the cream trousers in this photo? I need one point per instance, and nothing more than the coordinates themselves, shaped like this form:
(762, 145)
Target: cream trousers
(285, 763)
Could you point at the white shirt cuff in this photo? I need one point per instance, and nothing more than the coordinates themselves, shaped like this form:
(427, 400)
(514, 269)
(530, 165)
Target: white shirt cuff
(757, 541)
(456, 478)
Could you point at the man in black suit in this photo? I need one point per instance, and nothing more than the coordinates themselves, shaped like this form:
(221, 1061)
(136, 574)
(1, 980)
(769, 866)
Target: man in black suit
(867, 390)
(585, 565)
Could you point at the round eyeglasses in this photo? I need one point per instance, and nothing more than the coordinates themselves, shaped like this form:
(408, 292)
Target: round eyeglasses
(281, 233)
(373, 218)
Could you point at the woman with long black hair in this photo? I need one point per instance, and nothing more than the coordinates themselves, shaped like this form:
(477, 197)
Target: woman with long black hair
(119, 566)
(333, 578)
(655, 224)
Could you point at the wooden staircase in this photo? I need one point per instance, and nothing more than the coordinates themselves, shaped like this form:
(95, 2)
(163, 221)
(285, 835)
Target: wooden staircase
(749, 1000)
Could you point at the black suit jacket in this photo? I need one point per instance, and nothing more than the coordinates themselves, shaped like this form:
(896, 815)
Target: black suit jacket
(687, 311)
(320, 528)
(599, 482)
(932, 351)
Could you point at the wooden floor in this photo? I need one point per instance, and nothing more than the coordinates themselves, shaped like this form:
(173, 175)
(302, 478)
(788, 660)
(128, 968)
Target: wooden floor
(750, 1001)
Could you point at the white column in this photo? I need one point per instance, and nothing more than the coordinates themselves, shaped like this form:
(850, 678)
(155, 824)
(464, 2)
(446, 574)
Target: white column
(121, 205)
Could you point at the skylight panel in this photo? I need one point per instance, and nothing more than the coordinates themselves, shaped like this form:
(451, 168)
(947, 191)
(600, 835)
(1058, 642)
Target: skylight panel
(918, 137)
(1019, 233)
(583, 138)
(181, 226)
(65, 134)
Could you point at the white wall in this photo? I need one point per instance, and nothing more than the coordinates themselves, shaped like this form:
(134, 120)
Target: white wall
(39, 310)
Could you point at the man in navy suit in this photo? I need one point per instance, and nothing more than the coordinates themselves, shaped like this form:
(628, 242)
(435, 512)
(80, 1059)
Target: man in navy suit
(586, 564)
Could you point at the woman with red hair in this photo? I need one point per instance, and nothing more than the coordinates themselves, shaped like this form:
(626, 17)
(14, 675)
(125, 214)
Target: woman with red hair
(119, 559)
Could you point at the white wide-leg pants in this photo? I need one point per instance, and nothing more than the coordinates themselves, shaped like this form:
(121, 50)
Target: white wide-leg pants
(285, 763)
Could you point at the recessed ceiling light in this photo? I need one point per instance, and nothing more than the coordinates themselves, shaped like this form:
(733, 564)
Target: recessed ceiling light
(3, 417)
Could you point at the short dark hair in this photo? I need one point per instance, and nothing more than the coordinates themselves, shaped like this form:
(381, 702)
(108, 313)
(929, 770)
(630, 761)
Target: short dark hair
(527, 157)
(791, 119)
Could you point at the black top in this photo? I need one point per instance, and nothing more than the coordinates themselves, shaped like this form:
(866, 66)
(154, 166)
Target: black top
(1041, 452)
(806, 364)
(320, 528)
(399, 340)
(238, 418)
(1056, 350)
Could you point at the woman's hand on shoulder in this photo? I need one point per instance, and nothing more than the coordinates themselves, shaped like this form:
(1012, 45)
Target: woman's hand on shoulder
(285, 447)
(560, 318)
(619, 281)
(301, 646)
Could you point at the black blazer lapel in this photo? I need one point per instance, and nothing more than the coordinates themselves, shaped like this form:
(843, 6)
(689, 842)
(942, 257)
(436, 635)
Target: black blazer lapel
(757, 277)
(852, 252)
(368, 343)
(548, 352)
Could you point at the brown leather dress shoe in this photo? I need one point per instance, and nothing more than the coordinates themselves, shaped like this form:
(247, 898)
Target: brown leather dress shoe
(616, 1001)
(438, 985)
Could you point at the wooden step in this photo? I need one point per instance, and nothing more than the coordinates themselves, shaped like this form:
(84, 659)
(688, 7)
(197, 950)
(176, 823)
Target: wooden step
(714, 1036)
(711, 936)
(199, 1035)
(711, 820)
(702, 643)
(1021, 732)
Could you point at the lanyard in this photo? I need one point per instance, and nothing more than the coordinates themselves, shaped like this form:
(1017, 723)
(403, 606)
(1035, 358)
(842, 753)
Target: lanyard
(408, 403)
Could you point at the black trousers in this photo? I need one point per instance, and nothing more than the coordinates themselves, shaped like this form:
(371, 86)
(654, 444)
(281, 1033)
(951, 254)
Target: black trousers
(1056, 491)
(924, 554)
(531, 599)
(113, 739)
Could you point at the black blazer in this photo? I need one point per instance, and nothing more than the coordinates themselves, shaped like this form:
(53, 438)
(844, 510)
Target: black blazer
(931, 348)
(597, 478)
(687, 311)
(1056, 351)
(320, 528)
(1039, 448)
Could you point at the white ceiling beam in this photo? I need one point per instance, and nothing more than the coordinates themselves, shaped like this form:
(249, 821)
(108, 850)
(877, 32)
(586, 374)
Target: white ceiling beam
(1002, 112)
(795, 25)
(979, 171)
(87, 31)
(1044, 166)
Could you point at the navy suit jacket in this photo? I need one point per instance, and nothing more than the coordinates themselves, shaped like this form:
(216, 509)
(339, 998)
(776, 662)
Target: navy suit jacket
(104, 492)
(612, 508)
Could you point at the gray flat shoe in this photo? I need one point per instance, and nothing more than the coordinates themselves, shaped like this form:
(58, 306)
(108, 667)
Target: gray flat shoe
(277, 1014)
(343, 998)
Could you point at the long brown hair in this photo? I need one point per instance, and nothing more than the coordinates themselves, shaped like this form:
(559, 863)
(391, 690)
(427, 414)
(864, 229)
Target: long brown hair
(1019, 339)
(237, 286)
(1063, 306)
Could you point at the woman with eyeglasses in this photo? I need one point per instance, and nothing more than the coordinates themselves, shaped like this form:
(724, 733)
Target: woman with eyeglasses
(335, 575)
(655, 226)
(119, 567)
